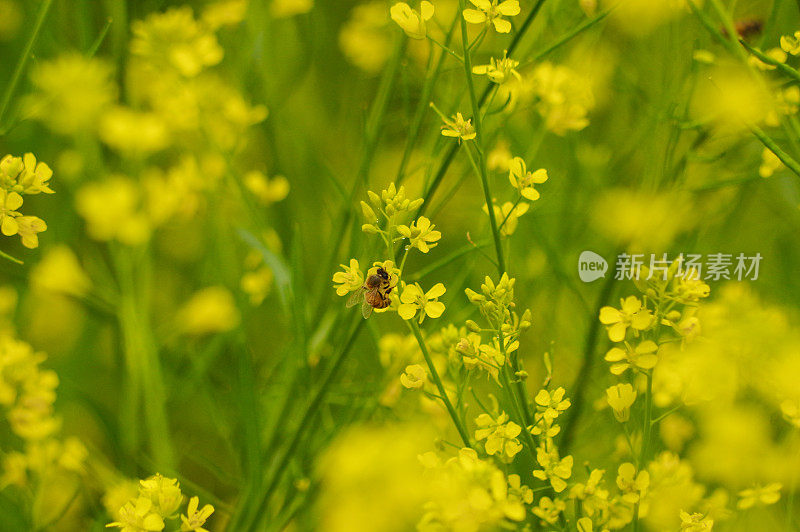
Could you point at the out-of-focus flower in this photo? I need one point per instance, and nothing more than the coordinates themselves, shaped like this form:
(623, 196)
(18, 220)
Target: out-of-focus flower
(633, 485)
(556, 470)
(759, 496)
(695, 522)
(138, 516)
(175, 41)
(770, 163)
(549, 510)
(60, 272)
(791, 43)
(134, 133)
(414, 377)
(224, 13)
(113, 211)
(71, 93)
(290, 8)
(364, 39)
(266, 190)
(490, 11)
(211, 310)
(500, 435)
(565, 97)
(507, 216)
(412, 21)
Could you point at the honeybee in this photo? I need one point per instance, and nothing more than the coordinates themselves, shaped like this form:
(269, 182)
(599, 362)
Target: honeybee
(373, 294)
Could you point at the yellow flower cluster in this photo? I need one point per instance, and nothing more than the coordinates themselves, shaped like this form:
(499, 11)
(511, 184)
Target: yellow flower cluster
(20, 176)
(158, 500)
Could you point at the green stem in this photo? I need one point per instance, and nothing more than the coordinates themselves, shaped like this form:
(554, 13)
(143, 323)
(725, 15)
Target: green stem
(498, 246)
(764, 58)
(462, 431)
(772, 146)
(44, 8)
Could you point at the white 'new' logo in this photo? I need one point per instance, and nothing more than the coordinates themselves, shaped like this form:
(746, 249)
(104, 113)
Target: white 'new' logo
(591, 266)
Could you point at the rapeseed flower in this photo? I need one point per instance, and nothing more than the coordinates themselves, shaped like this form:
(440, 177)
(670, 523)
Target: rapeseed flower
(523, 180)
(194, 519)
(414, 300)
(642, 357)
(412, 21)
(459, 128)
(620, 398)
(556, 470)
(490, 11)
(631, 314)
(420, 234)
(414, 377)
(499, 70)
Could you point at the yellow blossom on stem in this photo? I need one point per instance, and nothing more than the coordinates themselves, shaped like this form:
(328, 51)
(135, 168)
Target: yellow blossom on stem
(414, 377)
(508, 215)
(523, 180)
(500, 435)
(412, 21)
(459, 128)
(633, 485)
(420, 234)
(413, 299)
(620, 398)
(194, 519)
(641, 357)
(499, 70)
(349, 280)
(594, 499)
(491, 11)
(138, 516)
(630, 314)
(548, 510)
(791, 43)
(556, 470)
(551, 404)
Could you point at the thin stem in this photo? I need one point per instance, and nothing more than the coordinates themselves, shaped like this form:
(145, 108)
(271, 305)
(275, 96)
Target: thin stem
(44, 8)
(462, 431)
(498, 246)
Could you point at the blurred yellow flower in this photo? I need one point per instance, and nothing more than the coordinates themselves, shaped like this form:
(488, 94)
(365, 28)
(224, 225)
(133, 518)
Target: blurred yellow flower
(71, 93)
(632, 484)
(175, 41)
(507, 216)
(290, 8)
(500, 435)
(414, 377)
(137, 515)
(412, 21)
(266, 190)
(556, 470)
(641, 357)
(759, 496)
(695, 522)
(60, 272)
(791, 43)
(211, 310)
(770, 163)
(112, 210)
(194, 519)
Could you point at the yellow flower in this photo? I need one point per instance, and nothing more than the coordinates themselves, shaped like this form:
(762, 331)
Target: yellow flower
(138, 516)
(349, 280)
(489, 358)
(28, 228)
(420, 234)
(458, 128)
(554, 469)
(642, 357)
(630, 314)
(620, 398)
(165, 493)
(499, 70)
(695, 522)
(551, 404)
(266, 190)
(290, 8)
(9, 203)
(773, 53)
(175, 41)
(500, 435)
(34, 176)
(791, 43)
(411, 20)
(60, 272)
(564, 97)
(491, 11)
(112, 211)
(132, 132)
(769, 163)
(413, 299)
(257, 284)
(759, 496)
(211, 310)
(414, 377)
(523, 180)
(594, 499)
(72, 92)
(633, 486)
(194, 518)
(507, 216)
(548, 510)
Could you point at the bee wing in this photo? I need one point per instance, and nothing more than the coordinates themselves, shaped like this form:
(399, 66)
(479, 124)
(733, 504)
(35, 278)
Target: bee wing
(355, 297)
(366, 309)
